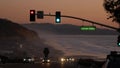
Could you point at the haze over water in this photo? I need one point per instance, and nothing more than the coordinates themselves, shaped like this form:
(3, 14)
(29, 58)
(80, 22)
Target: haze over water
(92, 45)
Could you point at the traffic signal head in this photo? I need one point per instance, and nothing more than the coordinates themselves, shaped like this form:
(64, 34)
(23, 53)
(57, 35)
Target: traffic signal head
(118, 41)
(32, 15)
(58, 17)
(40, 14)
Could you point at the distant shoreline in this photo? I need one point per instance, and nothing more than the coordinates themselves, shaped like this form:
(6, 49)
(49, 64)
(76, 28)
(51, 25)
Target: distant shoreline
(68, 29)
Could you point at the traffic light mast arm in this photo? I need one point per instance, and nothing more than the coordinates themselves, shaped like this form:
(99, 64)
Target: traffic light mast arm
(84, 20)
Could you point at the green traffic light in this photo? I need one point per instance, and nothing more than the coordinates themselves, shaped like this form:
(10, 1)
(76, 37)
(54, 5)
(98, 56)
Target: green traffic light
(118, 40)
(58, 17)
(118, 43)
(57, 20)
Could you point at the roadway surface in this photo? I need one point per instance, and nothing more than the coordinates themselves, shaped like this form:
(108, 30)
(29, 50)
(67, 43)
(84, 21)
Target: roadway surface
(41, 65)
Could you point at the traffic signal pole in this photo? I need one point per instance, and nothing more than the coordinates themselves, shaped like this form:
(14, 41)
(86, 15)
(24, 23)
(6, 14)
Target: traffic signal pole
(40, 14)
(66, 16)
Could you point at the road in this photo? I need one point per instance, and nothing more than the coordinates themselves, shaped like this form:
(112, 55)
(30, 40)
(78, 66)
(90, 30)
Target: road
(40, 65)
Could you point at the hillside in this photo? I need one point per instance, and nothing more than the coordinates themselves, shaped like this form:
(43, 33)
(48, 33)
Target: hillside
(10, 29)
(18, 41)
(68, 29)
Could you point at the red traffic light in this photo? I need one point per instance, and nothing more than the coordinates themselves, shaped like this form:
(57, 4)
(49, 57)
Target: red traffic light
(32, 12)
(32, 15)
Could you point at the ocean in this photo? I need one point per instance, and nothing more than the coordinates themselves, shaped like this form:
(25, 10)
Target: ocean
(92, 45)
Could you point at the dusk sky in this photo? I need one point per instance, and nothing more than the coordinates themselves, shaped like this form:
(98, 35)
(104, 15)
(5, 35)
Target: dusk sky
(18, 10)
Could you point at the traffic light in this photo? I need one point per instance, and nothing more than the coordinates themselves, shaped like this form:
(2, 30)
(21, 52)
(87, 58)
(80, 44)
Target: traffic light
(32, 15)
(58, 17)
(40, 14)
(118, 41)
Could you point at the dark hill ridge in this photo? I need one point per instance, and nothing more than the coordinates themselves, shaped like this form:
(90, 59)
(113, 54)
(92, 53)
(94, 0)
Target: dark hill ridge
(18, 41)
(68, 29)
(10, 29)
(12, 35)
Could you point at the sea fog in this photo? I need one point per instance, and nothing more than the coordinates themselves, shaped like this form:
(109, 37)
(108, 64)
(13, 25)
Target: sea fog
(95, 44)
(92, 45)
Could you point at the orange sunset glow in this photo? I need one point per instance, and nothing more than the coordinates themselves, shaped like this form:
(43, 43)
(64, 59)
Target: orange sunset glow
(18, 10)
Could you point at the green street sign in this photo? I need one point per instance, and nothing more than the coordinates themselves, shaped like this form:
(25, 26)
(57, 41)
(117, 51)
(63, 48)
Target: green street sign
(88, 28)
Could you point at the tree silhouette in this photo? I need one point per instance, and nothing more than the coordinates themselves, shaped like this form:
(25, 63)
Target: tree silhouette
(113, 9)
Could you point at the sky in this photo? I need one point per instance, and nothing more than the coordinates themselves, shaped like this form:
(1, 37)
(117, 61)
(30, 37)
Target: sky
(18, 10)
